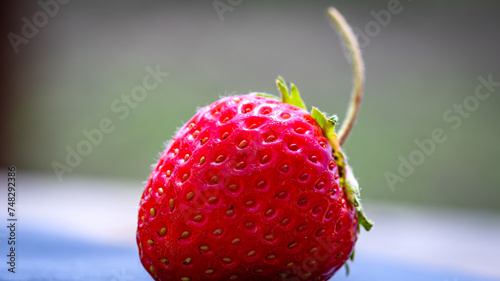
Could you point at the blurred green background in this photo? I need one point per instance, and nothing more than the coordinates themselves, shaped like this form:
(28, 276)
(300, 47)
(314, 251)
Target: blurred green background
(424, 60)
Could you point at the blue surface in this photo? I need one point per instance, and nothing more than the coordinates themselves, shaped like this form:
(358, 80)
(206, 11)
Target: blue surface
(53, 257)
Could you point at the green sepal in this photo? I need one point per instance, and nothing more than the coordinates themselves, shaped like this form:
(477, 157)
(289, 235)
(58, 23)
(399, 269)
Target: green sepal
(351, 258)
(353, 189)
(292, 97)
(326, 124)
(347, 180)
(266, 95)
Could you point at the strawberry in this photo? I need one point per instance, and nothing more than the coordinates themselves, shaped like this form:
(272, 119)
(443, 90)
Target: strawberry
(251, 188)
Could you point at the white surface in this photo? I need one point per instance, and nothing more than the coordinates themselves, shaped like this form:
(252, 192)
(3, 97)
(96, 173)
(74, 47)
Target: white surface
(105, 211)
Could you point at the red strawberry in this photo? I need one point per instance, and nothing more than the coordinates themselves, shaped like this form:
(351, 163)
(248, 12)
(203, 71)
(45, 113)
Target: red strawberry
(250, 188)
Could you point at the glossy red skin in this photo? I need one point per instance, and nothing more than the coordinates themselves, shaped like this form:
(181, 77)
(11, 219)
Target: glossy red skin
(323, 226)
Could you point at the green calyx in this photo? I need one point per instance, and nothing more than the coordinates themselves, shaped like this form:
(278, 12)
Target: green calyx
(290, 97)
(347, 181)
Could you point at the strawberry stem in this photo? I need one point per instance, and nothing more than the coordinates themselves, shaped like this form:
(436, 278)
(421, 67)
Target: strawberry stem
(358, 66)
